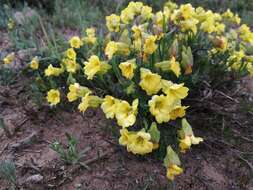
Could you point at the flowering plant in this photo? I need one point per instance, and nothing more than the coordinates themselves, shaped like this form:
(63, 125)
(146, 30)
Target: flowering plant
(141, 71)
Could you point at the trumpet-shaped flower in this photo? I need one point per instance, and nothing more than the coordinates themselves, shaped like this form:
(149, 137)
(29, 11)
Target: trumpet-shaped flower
(140, 143)
(91, 36)
(75, 42)
(186, 143)
(125, 135)
(127, 15)
(9, 58)
(150, 82)
(73, 92)
(71, 54)
(71, 65)
(34, 64)
(53, 71)
(127, 68)
(109, 106)
(76, 91)
(53, 96)
(174, 91)
(187, 137)
(93, 66)
(170, 65)
(160, 107)
(110, 49)
(126, 114)
(113, 23)
(178, 112)
(150, 45)
(135, 6)
(146, 13)
(116, 47)
(172, 171)
(89, 101)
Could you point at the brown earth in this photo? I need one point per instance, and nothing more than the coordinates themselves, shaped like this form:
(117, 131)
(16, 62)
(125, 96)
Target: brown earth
(222, 162)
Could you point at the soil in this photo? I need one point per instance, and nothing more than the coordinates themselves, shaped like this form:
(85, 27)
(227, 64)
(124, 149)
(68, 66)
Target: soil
(222, 162)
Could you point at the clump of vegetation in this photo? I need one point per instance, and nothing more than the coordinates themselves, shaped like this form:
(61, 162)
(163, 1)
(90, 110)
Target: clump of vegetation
(8, 172)
(70, 155)
(141, 71)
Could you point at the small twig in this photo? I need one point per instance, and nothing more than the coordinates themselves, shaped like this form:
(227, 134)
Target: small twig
(26, 141)
(246, 161)
(5, 147)
(242, 137)
(228, 97)
(100, 156)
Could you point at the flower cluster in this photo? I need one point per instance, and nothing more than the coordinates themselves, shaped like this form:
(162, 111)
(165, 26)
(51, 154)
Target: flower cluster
(138, 71)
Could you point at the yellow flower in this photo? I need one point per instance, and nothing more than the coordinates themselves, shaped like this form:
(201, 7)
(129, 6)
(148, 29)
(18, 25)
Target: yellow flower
(186, 143)
(53, 71)
(137, 31)
(71, 54)
(127, 15)
(110, 49)
(178, 111)
(11, 24)
(136, 7)
(116, 47)
(187, 11)
(208, 25)
(75, 42)
(34, 64)
(137, 45)
(175, 67)
(187, 137)
(245, 34)
(174, 91)
(150, 82)
(91, 32)
(71, 65)
(53, 97)
(125, 135)
(91, 36)
(149, 45)
(89, 101)
(160, 107)
(127, 68)
(189, 25)
(220, 43)
(126, 114)
(73, 92)
(109, 106)
(113, 23)
(146, 13)
(159, 19)
(140, 143)
(76, 91)
(94, 66)
(173, 170)
(9, 58)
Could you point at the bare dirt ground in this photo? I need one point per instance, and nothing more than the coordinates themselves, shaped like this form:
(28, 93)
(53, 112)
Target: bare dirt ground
(223, 162)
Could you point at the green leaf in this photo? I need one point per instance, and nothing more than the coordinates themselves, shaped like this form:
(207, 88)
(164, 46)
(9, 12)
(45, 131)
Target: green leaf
(71, 79)
(171, 158)
(154, 132)
(186, 128)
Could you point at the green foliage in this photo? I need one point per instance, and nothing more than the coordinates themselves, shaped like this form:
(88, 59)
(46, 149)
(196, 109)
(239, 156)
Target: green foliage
(69, 155)
(8, 172)
(7, 76)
